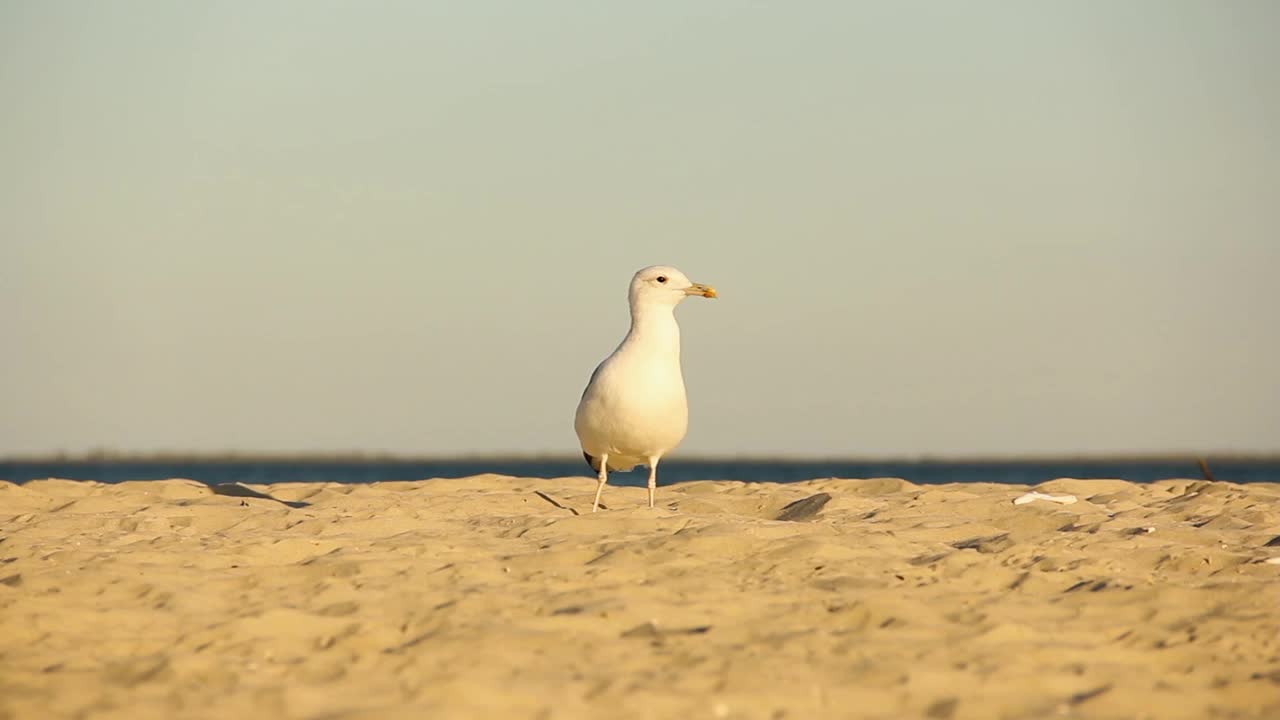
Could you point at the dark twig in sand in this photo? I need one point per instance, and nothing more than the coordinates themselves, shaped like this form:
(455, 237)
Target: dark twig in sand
(552, 500)
(986, 545)
(650, 630)
(416, 640)
(1205, 471)
(1088, 694)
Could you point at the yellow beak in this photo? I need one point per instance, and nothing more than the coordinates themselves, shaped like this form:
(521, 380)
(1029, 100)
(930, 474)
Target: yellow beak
(705, 291)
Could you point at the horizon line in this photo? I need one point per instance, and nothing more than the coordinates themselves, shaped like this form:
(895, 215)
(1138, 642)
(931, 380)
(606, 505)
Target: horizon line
(92, 456)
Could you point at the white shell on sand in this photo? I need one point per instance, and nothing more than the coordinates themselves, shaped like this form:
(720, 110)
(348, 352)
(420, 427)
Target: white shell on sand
(1033, 496)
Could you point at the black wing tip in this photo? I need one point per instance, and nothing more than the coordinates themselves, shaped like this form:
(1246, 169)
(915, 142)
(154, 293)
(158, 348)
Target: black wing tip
(591, 461)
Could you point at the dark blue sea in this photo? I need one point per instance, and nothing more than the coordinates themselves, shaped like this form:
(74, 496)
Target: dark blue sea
(672, 471)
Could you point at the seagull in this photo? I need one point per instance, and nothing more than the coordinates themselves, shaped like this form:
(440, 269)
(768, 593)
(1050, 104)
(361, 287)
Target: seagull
(634, 409)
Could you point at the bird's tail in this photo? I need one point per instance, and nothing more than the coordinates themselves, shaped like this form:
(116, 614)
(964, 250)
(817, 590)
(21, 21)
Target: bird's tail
(618, 465)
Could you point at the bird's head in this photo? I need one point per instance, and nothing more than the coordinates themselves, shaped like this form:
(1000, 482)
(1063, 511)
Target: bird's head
(665, 285)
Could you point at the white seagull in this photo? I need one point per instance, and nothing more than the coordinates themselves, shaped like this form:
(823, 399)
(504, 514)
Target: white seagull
(634, 409)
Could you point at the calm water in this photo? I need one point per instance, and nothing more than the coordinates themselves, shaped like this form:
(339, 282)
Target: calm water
(675, 470)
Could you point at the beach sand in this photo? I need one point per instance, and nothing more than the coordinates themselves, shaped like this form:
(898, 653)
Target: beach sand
(481, 598)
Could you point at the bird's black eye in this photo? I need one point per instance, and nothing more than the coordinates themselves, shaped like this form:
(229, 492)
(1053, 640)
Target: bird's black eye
(662, 278)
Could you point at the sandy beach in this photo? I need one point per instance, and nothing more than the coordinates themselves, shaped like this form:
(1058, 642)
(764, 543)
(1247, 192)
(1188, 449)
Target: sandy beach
(494, 596)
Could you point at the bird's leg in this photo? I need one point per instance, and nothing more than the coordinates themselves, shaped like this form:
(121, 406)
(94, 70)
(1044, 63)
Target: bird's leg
(653, 478)
(604, 470)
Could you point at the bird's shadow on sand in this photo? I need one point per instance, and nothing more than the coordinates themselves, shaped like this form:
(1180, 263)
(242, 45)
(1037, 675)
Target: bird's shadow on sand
(801, 510)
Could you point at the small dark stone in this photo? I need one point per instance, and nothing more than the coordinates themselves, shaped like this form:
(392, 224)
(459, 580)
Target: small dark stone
(135, 670)
(804, 509)
(943, 709)
(1273, 676)
(339, 609)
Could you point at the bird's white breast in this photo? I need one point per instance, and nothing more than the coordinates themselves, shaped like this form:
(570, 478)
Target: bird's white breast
(635, 404)
(633, 409)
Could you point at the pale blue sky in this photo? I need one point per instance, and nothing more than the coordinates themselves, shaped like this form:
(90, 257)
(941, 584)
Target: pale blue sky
(951, 228)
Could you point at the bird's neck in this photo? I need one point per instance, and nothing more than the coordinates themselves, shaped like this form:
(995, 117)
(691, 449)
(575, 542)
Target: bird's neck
(654, 326)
